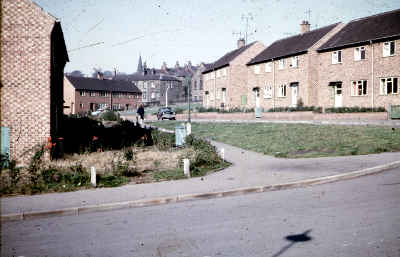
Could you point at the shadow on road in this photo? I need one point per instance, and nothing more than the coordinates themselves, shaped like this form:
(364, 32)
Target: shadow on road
(293, 239)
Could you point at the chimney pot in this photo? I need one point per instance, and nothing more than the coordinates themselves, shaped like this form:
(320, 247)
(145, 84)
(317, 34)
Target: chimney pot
(304, 27)
(241, 42)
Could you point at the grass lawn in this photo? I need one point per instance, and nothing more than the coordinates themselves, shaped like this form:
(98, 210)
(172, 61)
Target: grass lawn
(299, 140)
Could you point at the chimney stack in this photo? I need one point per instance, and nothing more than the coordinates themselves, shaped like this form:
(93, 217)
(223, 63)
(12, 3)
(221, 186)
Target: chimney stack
(241, 42)
(304, 27)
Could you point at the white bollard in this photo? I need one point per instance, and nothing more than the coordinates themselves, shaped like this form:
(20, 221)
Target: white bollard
(223, 154)
(188, 129)
(93, 176)
(186, 167)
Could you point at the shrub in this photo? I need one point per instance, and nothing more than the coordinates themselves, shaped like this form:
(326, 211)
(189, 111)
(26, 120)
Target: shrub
(179, 110)
(110, 116)
(162, 140)
(354, 109)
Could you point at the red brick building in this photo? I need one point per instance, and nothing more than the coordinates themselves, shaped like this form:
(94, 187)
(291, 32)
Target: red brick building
(82, 95)
(33, 56)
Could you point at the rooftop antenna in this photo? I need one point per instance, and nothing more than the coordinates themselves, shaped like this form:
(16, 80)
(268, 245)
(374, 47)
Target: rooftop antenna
(308, 15)
(247, 17)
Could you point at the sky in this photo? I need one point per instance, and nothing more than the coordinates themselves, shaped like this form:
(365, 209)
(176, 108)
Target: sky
(110, 34)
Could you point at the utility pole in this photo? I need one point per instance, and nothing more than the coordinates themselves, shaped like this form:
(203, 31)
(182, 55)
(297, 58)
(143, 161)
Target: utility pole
(188, 93)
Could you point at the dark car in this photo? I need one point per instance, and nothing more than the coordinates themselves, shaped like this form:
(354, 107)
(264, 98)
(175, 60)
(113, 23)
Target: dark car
(165, 113)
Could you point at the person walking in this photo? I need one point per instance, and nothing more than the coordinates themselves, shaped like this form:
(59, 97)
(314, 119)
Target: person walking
(140, 112)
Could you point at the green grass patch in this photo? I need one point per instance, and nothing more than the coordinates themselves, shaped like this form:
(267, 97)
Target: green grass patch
(299, 140)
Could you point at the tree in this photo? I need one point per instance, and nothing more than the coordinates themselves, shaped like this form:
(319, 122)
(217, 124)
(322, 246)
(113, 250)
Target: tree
(76, 73)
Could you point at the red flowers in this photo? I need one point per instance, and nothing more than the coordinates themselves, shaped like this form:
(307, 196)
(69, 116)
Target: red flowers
(49, 144)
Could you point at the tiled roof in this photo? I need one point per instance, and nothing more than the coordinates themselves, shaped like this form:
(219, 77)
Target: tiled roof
(372, 28)
(102, 85)
(293, 45)
(226, 59)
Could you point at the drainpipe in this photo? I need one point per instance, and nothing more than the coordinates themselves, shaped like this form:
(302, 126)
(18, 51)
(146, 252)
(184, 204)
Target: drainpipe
(215, 88)
(372, 73)
(273, 84)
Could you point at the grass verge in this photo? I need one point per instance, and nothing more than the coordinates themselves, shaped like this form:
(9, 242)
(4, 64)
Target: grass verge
(299, 140)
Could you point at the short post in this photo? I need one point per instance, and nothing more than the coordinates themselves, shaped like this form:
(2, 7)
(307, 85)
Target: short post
(93, 176)
(186, 167)
(223, 154)
(188, 129)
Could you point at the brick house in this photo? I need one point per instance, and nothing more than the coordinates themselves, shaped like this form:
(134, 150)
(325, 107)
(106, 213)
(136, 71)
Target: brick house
(33, 56)
(197, 83)
(287, 70)
(360, 65)
(225, 80)
(82, 95)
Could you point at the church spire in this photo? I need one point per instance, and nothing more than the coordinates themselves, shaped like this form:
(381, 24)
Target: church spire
(140, 65)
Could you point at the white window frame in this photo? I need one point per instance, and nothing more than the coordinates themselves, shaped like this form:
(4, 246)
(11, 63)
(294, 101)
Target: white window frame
(384, 86)
(153, 85)
(282, 90)
(92, 93)
(267, 91)
(337, 57)
(387, 48)
(218, 73)
(295, 62)
(281, 65)
(82, 93)
(358, 53)
(268, 67)
(359, 88)
(224, 72)
(257, 69)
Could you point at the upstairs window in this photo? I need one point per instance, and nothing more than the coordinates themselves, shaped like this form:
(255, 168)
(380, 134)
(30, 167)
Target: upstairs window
(295, 62)
(359, 53)
(389, 86)
(257, 69)
(82, 93)
(218, 73)
(282, 91)
(92, 93)
(268, 67)
(359, 88)
(281, 64)
(388, 48)
(224, 72)
(337, 57)
(268, 91)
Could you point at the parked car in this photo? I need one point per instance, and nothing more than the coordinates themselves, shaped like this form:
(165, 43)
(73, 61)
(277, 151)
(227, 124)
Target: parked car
(165, 113)
(98, 111)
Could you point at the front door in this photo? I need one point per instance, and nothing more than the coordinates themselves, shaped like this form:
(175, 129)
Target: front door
(207, 100)
(295, 90)
(338, 95)
(224, 96)
(257, 97)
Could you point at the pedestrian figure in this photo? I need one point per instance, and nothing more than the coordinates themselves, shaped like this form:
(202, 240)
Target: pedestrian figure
(140, 112)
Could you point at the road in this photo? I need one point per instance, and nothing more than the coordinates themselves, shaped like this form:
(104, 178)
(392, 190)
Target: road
(359, 217)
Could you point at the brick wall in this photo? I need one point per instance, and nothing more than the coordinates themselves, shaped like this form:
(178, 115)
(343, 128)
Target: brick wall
(350, 70)
(25, 73)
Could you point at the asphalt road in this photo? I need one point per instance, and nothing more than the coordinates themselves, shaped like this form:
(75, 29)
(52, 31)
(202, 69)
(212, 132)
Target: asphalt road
(359, 217)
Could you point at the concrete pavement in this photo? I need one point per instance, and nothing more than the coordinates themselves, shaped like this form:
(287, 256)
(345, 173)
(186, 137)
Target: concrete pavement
(250, 172)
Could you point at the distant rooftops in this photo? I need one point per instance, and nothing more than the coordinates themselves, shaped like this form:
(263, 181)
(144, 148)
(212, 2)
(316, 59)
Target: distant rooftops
(293, 45)
(373, 28)
(82, 83)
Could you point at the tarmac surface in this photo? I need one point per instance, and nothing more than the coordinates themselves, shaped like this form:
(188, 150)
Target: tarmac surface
(250, 172)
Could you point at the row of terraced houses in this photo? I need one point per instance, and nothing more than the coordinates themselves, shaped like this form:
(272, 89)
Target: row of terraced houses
(340, 65)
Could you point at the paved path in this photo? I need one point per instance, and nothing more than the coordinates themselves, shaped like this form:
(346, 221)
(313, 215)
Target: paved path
(249, 169)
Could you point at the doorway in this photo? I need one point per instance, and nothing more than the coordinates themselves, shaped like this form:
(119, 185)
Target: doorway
(295, 92)
(338, 95)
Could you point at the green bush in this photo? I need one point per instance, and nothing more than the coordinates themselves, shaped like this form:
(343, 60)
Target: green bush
(354, 109)
(299, 108)
(110, 116)
(162, 140)
(179, 110)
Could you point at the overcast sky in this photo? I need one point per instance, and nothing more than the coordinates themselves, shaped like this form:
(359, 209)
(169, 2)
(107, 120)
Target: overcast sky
(183, 30)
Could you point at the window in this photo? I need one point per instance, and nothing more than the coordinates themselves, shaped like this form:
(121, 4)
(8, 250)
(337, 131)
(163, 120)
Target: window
(153, 95)
(282, 91)
(82, 93)
(92, 93)
(359, 53)
(281, 64)
(359, 88)
(257, 69)
(153, 85)
(268, 67)
(144, 95)
(388, 48)
(337, 57)
(218, 73)
(295, 62)
(195, 85)
(268, 91)
(201, 84)
(389, 86)
(81, 105)
(103, 94)
(218, 94)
